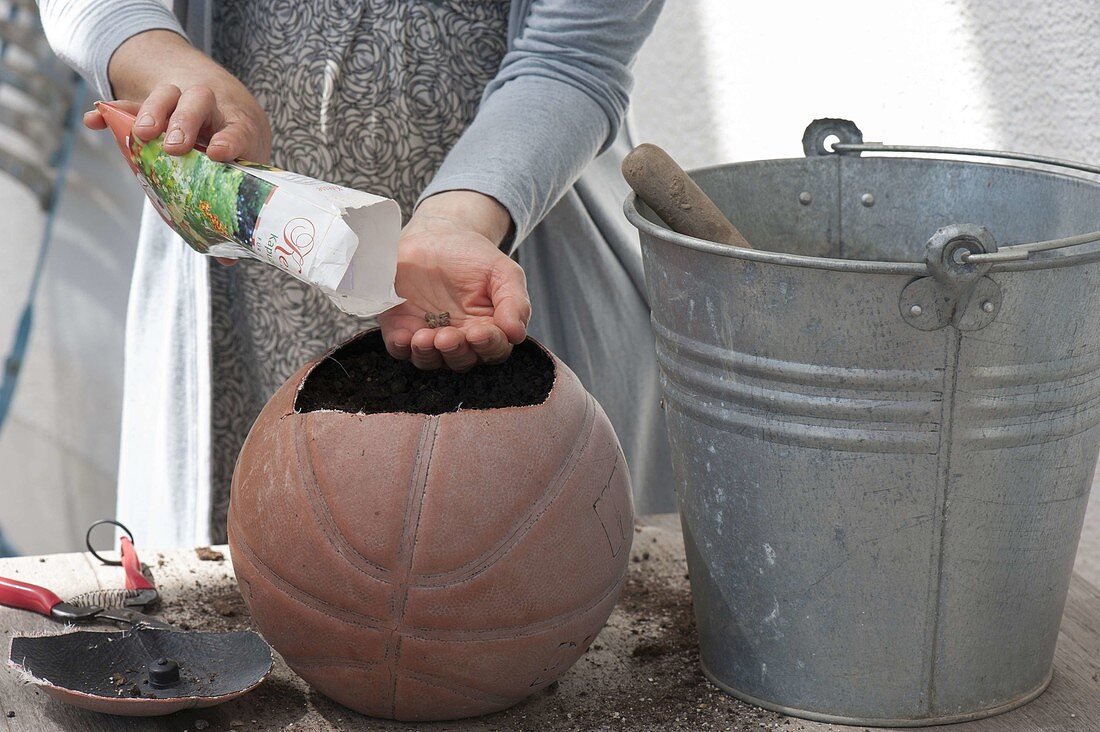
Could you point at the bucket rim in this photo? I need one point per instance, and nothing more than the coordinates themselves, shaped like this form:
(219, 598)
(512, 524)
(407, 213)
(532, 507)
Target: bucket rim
(862, 266)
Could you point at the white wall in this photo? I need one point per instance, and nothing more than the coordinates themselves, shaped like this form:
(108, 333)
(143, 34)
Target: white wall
(729, 80)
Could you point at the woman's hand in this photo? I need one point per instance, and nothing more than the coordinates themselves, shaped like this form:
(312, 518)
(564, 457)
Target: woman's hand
(450, 261)
(174, 89)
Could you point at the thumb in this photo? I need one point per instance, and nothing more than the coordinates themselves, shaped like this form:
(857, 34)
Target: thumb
(511, 303)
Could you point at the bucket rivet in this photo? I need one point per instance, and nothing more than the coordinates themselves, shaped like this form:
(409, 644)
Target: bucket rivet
(867, 199)
(916, 310)
(805, 198)
(988, 306)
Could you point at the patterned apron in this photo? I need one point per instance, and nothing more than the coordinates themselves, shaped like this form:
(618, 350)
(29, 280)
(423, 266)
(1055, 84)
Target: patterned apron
(370, 94)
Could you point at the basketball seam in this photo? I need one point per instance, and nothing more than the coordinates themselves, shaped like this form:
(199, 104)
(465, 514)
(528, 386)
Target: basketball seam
(414, 509)
(295, 593)
(322, 661)
(323, 514)
(514, 631)
(422, 633)
(521, 528)
(460, 689)
(429, 679)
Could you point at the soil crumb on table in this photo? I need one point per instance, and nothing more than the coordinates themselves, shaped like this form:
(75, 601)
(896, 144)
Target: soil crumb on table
(363, 378)
(215, 606)
(207, 554)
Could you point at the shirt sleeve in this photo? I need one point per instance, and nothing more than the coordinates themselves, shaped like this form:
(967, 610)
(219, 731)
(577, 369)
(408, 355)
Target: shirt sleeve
(86, 33)
(557, 101)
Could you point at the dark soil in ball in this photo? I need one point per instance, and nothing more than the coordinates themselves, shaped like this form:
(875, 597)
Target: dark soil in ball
(362, 377)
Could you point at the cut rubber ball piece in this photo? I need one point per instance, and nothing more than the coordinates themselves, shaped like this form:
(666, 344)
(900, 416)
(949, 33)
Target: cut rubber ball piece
(430, 545)
(144, 671)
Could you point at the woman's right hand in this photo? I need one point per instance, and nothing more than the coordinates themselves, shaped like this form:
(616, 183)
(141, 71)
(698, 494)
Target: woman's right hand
(174, 89)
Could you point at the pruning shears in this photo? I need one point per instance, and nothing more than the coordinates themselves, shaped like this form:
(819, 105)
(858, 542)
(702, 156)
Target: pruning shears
(149, 667)
(121, 606)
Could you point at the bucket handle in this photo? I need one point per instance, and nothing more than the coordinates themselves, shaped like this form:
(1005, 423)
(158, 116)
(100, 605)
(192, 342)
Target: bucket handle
(850, 142)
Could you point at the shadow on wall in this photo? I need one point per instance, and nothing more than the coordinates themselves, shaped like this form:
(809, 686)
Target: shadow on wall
(674, 108)
(6, 549)
(1041, 71)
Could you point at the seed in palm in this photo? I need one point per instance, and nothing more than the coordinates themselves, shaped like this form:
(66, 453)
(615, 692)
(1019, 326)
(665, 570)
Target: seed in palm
(437, 320)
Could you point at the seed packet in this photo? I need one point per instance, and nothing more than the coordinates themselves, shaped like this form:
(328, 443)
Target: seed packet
(342, 241)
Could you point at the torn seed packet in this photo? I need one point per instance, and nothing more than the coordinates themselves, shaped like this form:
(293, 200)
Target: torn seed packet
(342, 241)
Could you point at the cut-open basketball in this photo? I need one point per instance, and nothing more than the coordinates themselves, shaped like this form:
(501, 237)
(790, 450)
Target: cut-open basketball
(418, 555)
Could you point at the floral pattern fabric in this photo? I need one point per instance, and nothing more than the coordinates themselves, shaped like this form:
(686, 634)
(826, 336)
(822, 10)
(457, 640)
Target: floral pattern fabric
(369, 94)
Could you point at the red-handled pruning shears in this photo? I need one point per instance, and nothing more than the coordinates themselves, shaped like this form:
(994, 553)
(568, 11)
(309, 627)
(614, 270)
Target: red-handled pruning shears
(119, 606)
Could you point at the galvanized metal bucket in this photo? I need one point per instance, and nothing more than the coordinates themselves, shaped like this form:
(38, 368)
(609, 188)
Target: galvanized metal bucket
(883, 443)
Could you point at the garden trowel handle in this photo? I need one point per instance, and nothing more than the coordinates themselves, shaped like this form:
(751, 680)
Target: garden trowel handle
(25, 596)
(674, 196)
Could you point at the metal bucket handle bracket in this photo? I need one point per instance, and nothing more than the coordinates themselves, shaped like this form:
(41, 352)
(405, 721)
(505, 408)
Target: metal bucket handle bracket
(850, 142)
(958, 256)
(844, 130)
(958, 292)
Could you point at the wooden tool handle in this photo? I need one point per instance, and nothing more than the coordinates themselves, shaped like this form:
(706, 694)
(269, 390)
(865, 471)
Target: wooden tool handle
(666, 188)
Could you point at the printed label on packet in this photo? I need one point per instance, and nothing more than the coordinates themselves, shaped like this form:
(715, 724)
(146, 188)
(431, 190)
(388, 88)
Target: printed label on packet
(340, 240)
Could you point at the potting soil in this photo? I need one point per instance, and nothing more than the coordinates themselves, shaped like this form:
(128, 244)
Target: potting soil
(362, 377)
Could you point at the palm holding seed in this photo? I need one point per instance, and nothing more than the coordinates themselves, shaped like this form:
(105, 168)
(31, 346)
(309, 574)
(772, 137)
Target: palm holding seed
(448, 264)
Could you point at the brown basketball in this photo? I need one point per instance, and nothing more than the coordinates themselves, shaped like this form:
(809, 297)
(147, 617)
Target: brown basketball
(425, 566)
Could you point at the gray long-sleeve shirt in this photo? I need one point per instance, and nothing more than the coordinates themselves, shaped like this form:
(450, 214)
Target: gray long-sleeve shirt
(558, 100)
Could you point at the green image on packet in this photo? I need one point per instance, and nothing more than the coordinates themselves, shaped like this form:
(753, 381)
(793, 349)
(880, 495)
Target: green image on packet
(206, 202)
(342, 241)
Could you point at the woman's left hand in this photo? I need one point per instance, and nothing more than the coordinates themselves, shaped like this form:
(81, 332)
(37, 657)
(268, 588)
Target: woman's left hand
(449, 261)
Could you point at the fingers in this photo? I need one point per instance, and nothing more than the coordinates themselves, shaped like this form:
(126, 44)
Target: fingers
(225, 261)
(230, 143)
(512, 314)
(195, 111)
(455, 350)
(94, 120)
(511, 304)
(185, 117)
(152, 117)
(398, 342)
(424, 354)
(489, 343)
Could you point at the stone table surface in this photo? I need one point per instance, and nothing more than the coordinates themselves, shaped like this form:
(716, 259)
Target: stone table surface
(641, 673)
